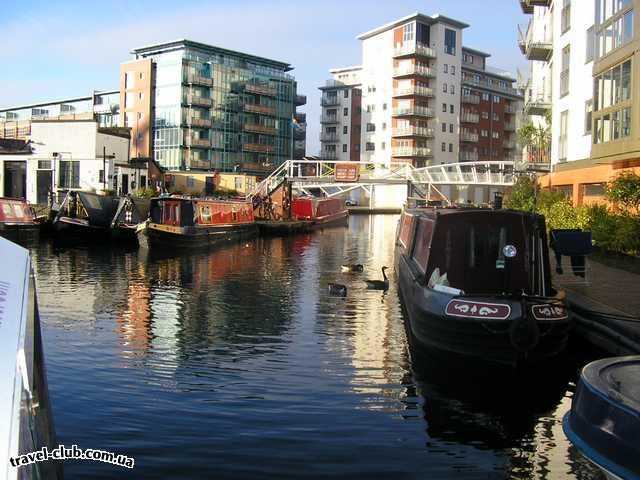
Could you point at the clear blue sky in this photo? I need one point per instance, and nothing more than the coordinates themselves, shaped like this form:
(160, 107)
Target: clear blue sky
(56, 49)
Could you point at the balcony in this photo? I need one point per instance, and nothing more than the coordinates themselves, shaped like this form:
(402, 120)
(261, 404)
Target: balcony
(194, 79)
(510, 126)
(527, 8)
(198, 122)
(262, 129)
(410, 49)
(413, 131)
(329, 119)
(258, 89)
(261, 109)
(258, 148)
(468, 156)
(493, 85)
(469, 117)
(412, 70)
(509, 144)
(329, 155)
(511, 109)
(537, 105)
(411, 152)
(300, 100)
(466, 136)
(329, 137)
(199, 101)
(195, 142)
(413, 90)
(534, 46)
(417, 111)
(472, 99)
(299, 132)
(330, 101)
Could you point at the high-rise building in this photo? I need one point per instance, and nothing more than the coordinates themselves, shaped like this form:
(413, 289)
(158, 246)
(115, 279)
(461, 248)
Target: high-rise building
(193, 106)
(419, 96)
(582, 57)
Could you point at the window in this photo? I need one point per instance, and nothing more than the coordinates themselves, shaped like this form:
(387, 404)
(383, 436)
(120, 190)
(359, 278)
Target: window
(485, 115)
(346, 94)
(129, 100)
(613, 28)
(44, 164)
(345, 130)
(484, 133)
(564, 124)
(496, 117)
(344, 148)
(444, 127)
(615, 125)
(452, 89)
(444, 107)
(69, 174)
(495, 135)
(128, 80)
(450, 147)
(140, 116)
(606, 128)
(383, 146)
(371, 127)
(451, 108)
(453, 69)
(451, 128)
(588, 109)
(590, 44)
(625, 81)
(345, 112)
(625, 129)
(485, 97)
(384, 106)
(612, 86)
(446, 68)
(370, 147)
(423, 34)
(565, 16)
(407, 33)
(449, 41)
(444, 147)
(496, 99)
(444, 87)
(564, 73)
(384, 126)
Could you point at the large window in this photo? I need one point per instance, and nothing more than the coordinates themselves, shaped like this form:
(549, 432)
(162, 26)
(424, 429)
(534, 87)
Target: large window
(69, 174)
(588, 108)
(565, 18)
(590, 44)
(564, 128)
(564, 74)
(423, 34)
(407, 33)
(612, 86)
(614, 24)
(450, 41)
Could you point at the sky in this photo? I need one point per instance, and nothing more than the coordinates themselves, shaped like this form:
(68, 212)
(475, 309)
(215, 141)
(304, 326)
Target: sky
(68, 48)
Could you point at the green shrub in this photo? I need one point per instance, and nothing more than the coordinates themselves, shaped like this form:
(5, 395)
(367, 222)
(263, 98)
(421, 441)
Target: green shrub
(145, 192)
(624, 190)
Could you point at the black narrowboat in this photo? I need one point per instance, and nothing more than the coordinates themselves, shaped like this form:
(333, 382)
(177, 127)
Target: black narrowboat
(183, 222)
(85, 215)
(130, 213)
(476, 284)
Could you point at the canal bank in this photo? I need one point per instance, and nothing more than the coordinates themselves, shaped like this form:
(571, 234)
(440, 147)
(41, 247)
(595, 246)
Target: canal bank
(236, 363)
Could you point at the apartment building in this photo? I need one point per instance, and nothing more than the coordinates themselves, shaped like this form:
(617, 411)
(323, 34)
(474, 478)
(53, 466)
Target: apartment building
(583, 55)
(103, 107)
(419, 96)
(193, 106)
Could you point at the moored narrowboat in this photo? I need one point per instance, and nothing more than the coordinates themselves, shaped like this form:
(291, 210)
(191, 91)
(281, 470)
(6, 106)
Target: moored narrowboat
(319, 211)
(130, 213)
(183, 222)
(85, 215)
(17, 219)
(476, 285)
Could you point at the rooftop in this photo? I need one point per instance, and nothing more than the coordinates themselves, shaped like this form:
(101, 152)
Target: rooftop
(57, 102)
(211, 49)
(429, 20)
(475, 52)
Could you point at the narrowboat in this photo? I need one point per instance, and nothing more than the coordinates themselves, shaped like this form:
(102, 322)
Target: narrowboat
(26, 423)
(85, 214)
(476, 286)
(130, 213)
(183, 222)
(604, 420)
(321, 212)
(17, 219)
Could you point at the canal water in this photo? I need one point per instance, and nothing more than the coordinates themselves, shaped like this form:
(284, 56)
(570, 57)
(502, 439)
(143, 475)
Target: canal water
(237, 363)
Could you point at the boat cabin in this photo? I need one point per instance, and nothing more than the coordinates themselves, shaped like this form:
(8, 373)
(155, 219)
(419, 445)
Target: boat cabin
(188, 212)
(16, 211)
(96, 210)
(312, 208)
(481, 251)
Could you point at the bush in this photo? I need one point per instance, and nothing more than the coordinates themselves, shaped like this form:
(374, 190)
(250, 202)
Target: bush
(145, 192)
(624, 190)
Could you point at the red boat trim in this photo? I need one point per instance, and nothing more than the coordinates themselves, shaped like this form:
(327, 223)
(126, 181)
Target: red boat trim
(549, 312)
(481, 310)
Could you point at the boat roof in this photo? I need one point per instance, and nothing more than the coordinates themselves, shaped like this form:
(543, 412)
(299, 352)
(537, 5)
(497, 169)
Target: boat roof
(437, 211)
(200, 199)
(618, 378)
(14, 288)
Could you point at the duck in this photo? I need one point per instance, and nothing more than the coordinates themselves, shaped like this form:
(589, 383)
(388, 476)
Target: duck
(353, 268)
(379, 284)
(337, 289)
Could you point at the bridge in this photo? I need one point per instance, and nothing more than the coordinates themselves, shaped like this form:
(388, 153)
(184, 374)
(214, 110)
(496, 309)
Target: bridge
(328, 176)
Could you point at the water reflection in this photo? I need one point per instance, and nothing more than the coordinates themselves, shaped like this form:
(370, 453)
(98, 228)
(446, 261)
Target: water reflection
(236, 363)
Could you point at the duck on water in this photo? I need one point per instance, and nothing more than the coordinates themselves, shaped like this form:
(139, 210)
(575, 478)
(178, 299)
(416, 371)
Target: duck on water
(476, 284)
(379, 284)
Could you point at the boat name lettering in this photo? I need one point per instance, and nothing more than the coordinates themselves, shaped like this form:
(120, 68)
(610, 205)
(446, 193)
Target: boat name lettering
(465, 308)
(549, 312)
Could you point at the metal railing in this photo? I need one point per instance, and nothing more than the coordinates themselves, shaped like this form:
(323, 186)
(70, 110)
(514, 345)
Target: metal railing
(201, 101)
(411, 152)
(329, 119)
(262, 109)
(257, 128)
(412, 131)
(199, 79)
(470, 98)
(329, 100)
(468, 156)
(470, 117)
(466, 136)
(329, 137)
(417, 111)
(414, 49)
(413, 70)
(413, 90)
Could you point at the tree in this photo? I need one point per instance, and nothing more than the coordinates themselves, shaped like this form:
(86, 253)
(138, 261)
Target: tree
(537, 139)
(522, 195)
(625, 191)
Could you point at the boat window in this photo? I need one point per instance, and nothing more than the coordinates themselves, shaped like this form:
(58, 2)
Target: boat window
(422, 243)
(205, 213)
(19, 210)
(406, 227)
(7, 210)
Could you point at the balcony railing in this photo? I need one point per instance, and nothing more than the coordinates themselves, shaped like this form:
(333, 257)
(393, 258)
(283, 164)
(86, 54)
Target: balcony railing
(195, 79)
(262, 109)
(330, 101)
(413, 90)
(510, 127)
(199, 101)
(329, 155)
(260, 90)
(258, 148)
(511, 109)
(468, 156)
(470, 98)
(414, 49)
(413, 111)
(535, 46)
(468, 136)
(413, 132)
(257, 128)
(329, 119)
(411, 152)
(470, 117)
(199, 122)
(329, 137)
(537, 104)
(493, 85)
(198, 142)
(413, 70)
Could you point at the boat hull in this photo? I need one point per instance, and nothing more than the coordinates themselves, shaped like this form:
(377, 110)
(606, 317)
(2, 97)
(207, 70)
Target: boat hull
(17, 232)
(510, 342)
(158, 236)
(67, 228)
(338, 219)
